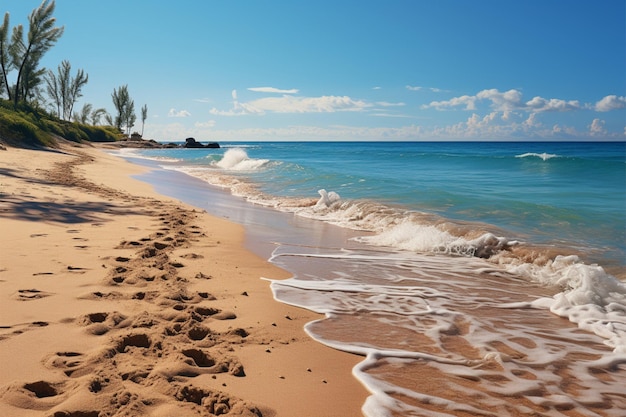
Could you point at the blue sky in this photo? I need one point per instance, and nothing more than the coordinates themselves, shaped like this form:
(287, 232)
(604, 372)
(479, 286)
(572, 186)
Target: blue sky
(352, 70)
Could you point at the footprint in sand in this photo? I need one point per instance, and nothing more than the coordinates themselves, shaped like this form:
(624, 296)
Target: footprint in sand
(67, 361)
(38, 395)
(101, 323)
(20, 328)
(194, 362)
(44, 395)
(137, 340)
(43, 389)
(31, 294)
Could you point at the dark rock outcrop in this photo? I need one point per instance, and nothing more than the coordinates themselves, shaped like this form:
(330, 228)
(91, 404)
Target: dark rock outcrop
(192, 143)
(152, 144)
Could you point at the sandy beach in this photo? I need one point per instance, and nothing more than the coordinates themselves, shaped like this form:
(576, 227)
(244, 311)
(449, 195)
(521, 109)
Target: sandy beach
(117, 301)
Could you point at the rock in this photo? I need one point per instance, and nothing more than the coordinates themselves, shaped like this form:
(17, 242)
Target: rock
(192, 143)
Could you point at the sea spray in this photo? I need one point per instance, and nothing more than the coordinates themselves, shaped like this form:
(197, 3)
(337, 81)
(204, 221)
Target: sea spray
(544, 156)
(236, 159)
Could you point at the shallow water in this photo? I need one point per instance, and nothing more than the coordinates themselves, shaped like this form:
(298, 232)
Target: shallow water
(470, 300)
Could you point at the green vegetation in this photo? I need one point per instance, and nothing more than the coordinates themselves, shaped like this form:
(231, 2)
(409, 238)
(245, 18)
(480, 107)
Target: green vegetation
(31, 127)
(125, 107)
(65, 90)
(144, 116)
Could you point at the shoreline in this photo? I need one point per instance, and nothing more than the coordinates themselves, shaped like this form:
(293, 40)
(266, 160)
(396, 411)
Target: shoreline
(120, 300)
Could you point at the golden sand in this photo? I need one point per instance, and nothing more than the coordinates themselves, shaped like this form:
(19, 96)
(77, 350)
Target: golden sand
(117, 301)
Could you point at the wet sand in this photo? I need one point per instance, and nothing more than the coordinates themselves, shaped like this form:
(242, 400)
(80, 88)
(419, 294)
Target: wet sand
(118, 301)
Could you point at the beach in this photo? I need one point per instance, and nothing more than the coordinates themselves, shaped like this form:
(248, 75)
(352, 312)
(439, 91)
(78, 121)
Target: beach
(130, 288)
(118, 301)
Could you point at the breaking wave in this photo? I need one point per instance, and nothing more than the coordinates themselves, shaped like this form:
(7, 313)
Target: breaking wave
(544, 156)
(236, 159)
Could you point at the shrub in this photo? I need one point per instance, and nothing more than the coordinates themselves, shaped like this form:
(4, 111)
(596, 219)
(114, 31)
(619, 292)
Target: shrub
(19, 129)
(29, 126)
(100, 133)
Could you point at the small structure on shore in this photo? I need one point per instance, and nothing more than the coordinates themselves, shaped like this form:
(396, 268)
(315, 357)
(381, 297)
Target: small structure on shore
(192, 143)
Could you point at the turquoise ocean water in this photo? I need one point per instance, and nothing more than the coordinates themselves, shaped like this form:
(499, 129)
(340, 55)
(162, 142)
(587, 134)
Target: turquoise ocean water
(486, 244)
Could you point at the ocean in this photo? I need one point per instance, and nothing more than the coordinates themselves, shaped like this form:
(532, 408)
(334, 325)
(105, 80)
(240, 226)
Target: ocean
(475, 278)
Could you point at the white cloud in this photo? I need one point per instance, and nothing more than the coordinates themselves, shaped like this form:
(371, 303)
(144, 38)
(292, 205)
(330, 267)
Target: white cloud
(597, 127)
(509, 100)
(234, 94)
(290, 104)
(273, 90)
(611, 102)
(539, 104)
(412, 88)
(468, 101)
(175, 113)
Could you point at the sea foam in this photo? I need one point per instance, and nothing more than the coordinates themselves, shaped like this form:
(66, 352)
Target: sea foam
(545, 156)
(236, 159)
(589, 297)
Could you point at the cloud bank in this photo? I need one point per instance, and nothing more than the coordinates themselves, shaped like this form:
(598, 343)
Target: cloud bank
(507, 101)
(292, 104)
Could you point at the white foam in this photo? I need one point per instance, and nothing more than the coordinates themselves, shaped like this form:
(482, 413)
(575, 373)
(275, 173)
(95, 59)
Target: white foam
(398, 299)
(591, 298)
(236, 159)
(544, 156)
(326, 199)
(430, 238)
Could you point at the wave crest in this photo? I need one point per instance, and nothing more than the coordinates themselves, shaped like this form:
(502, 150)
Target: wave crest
(545, 156)
(236, 159)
